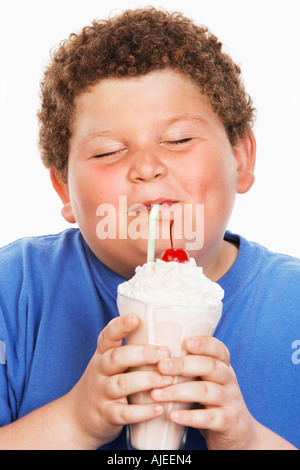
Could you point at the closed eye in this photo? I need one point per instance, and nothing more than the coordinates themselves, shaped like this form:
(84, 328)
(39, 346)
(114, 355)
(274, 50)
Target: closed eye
(180, 141)
(109, 154)
(177, 142)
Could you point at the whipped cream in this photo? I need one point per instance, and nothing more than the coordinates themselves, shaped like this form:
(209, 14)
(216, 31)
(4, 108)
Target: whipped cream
(172, 283)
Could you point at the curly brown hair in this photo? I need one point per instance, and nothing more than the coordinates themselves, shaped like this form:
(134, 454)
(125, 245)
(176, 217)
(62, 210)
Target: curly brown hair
(135, 43)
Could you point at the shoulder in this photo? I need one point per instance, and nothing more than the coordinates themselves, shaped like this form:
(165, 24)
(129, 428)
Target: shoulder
(38, 243)
(32, 267)
(278, 272)
(18, 256)
(253, 252)
(259, 269)
(277, 264)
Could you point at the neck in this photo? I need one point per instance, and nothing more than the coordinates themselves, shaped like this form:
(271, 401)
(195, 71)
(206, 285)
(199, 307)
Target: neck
(221, 263)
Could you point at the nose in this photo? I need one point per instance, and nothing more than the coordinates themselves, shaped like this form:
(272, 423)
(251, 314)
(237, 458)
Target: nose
(146, 166)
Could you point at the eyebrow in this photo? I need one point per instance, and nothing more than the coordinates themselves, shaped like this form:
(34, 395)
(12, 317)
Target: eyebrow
(109, 133)
(187, 117)
(92, 135)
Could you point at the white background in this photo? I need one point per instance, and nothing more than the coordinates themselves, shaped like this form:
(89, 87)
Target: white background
(261, 35)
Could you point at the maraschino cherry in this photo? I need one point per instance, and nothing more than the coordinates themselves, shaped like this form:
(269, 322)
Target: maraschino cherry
(174, 254)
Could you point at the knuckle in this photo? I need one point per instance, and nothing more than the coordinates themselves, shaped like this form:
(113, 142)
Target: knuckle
(212, 392)
(113, 415)
(118, 413)
(123, 415)
(100, 340)
(212, 363)
(204, 388)
(104, 363)
(144, 353)
(226, 355)
(180, 363)
(222, 420)
(115, 356)
(115, 386)
(104, 339)
(107, 387)
(149, 380)
(217, 394)
(121, 385)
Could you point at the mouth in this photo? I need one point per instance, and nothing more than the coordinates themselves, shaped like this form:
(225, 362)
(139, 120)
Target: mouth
(146, 205)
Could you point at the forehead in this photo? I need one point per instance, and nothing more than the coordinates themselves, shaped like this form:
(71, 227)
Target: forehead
(166, 81)
(157, 98)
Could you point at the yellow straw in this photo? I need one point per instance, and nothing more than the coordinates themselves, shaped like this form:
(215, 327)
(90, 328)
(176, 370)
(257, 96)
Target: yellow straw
(151, 232)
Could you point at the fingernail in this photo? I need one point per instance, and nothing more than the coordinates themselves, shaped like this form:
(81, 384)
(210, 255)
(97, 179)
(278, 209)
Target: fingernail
(131, 319)
(192, 343)
(163, 352)
(166, 365)
(174, 415)
(159, 409)
(156, 393)
(167, 377)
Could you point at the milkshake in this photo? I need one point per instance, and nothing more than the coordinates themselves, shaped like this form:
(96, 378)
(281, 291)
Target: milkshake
(174, 301)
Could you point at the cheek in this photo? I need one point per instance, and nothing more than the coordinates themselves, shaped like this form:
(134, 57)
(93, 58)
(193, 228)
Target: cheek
(225, 185)
(213, 182)
(82, 198)
(91, 188)
(223, 197)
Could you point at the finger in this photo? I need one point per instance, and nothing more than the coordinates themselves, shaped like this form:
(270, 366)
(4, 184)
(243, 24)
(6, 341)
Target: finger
(121, 414)
(122, 385)
(114, 332)
(117, 360)
(208, 346)
(206, 367)
(206, 393)
(214, 419)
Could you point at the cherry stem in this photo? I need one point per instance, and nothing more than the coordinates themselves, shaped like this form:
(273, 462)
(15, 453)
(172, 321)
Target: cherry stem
(171, 234)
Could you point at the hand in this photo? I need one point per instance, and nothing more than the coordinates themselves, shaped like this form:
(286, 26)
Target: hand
(224, 419)
(99, 399)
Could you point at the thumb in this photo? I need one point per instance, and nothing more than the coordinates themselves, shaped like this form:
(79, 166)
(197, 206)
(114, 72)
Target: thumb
(114, 332)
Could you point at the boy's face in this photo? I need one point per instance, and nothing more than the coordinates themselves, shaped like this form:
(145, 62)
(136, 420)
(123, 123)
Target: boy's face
(148, 139)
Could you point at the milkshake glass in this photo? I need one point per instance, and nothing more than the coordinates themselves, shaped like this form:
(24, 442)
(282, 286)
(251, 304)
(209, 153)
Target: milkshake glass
(170, 312)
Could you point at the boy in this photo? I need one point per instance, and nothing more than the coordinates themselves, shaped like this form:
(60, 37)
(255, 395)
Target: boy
(144, 106)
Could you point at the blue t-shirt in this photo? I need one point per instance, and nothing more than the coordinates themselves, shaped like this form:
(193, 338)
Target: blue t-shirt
(56, 297)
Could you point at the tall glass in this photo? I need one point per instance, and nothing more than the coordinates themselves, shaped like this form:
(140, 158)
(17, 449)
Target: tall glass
(168, 326)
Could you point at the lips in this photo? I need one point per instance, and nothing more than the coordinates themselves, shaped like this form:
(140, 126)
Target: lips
(160, 201)
(146, 205)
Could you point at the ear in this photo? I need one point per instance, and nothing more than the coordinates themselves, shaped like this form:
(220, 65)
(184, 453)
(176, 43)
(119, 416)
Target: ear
(245, 155)
(62, 190)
